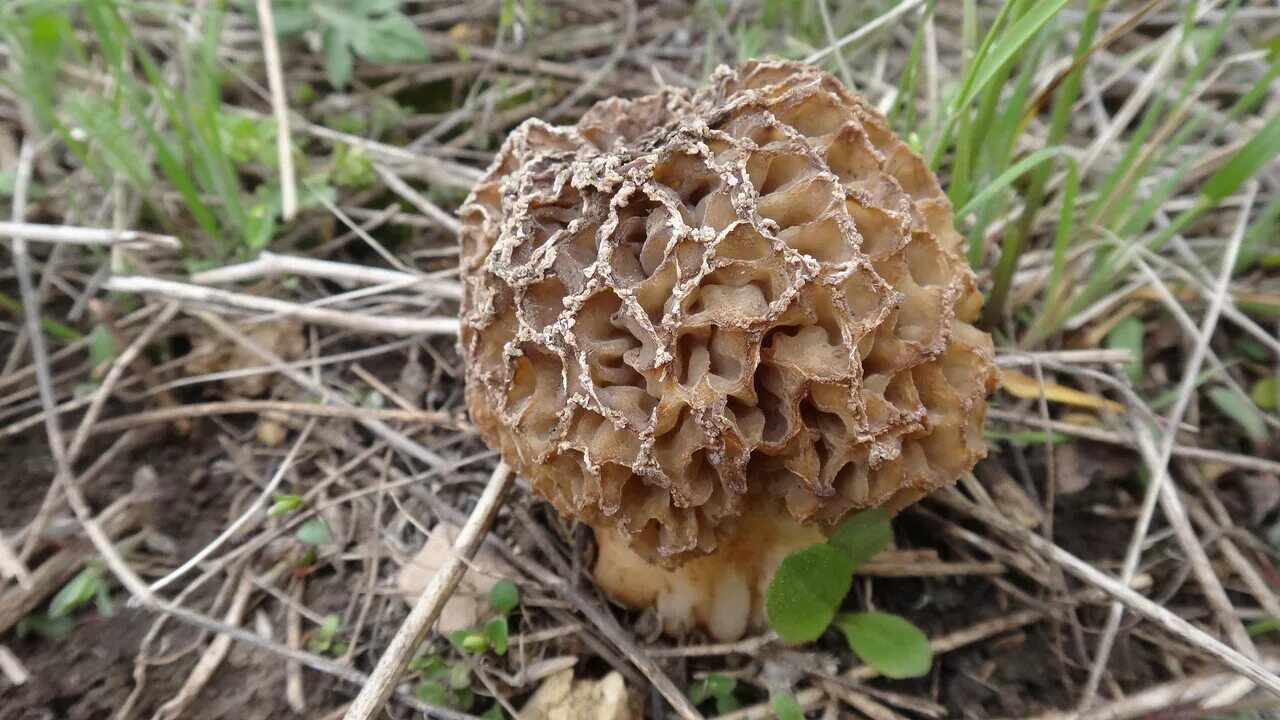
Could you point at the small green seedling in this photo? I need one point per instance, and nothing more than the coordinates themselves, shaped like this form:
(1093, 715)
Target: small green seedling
(351, 167)
(810, 584)
(504, 597)
(89, 585)
(314, 532)
(43, 626)
(284, 504)
(785, 706)
(443, 683)
(718, 687)
(102, 348)
(322, 641)
(1128, 335)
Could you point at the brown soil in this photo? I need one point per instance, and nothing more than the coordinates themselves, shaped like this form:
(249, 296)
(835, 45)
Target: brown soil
(88, 674)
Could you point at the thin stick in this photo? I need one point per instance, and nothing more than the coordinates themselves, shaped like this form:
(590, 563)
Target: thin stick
(1102, 356)
(865, 30)
(1113, 436)
(280, 109)
(258, 407)
(416, 199)
(222, 298)
(239, 522)
(1160, 488)
(1150, 702)
(1133, 600)
(397, 440)
(212, 656)
(414, 628)
(269, 264)
(35, 232)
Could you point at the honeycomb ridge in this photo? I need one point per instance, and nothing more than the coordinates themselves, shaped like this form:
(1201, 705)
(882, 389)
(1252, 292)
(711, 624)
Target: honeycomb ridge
(691, 304)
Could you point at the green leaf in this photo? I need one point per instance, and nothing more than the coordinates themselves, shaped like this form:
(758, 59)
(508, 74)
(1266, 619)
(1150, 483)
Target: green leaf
(329, 626)
(1006, 178)
(504, 596)
(1128, 335)
(1263, 626)
(1012, 40)
(862, 535)
(470, 640)
(889, 643)
(391, 38)
(496, 631)
(102, 601)
(434, 692)
(1266, 393)
(1246, 415)
(315, 532)
(282, 504)
(494, 713)
(292, 19)
(785, 706)
(80, 590)
(806, 590)
(459, 676)
(715, 686)
(38, 623)
(1244, 162)
(338, 60)
(102, 346)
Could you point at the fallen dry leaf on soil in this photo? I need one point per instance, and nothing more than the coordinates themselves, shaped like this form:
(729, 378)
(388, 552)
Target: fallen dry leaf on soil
(469, 604)
(560, 697)
(1024, 386)
(212, 354)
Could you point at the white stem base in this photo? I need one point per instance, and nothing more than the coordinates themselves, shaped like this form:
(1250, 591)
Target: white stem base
(723, 592)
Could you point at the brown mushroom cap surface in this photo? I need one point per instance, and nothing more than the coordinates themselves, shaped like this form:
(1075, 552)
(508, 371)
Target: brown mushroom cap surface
(744, 301)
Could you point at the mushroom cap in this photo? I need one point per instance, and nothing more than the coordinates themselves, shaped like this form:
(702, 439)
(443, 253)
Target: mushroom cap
(689, 306)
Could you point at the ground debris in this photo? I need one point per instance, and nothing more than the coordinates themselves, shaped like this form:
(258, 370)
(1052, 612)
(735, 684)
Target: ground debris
(561, 697)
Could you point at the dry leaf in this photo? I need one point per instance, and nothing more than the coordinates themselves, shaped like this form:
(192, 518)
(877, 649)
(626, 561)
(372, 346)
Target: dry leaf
(560, 697)
(1024, 386)
(469, 604)
(212, 354)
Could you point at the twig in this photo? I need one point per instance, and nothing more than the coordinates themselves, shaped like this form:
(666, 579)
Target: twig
(395, 439)
(1160, 488)
(12, 566)
(212, 656)
(1150, 702)
(117, 519)
(1102, 356)
(239, 522)
(395, 658)
(269, 264)
(68, 234)
(258, 407)
(1134, 601)
(866, 29)
(224, 299)
(939, 646)
(1113, 436)
(280, 109)
(415, 198)
(12, 668)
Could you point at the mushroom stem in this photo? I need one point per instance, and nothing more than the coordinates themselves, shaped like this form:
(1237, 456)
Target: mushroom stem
(723, 592)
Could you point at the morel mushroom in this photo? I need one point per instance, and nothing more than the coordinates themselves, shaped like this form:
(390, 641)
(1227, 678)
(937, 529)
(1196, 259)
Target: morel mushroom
(710, 325)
